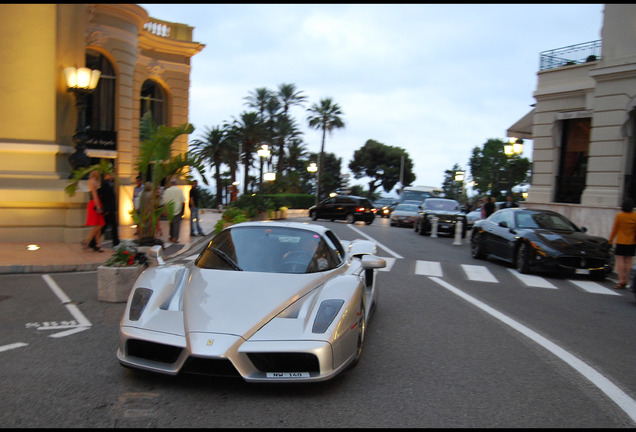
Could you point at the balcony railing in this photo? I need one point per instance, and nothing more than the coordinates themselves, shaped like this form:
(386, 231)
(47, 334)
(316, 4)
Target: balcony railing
(570, 55)
(169, 30)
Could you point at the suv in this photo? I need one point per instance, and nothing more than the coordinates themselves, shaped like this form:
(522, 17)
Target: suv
(347, 207)
(448, 213)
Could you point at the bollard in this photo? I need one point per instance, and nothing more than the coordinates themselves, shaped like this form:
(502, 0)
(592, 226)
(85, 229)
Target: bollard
(459, 227)
(434, 221)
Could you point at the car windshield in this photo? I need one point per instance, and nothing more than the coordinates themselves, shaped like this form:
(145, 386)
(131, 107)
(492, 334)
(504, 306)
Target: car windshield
(382, 202)
(550, 221)
(269, 249)
(438, 204)
(407, 207)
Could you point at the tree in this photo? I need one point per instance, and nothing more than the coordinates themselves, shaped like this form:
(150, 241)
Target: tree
(454, 189)
(247, 132)
(493, 171)
(215, 148)
(331, 177)
(324, 116)
(382, 164)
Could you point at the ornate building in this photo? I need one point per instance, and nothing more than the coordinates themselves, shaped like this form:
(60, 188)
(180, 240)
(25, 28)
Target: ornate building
(583, 125)
(145, 66)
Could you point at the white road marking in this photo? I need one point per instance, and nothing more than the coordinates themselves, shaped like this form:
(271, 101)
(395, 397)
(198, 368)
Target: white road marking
(12, 346)
(478, 273)
(611, 390)
(532, 280)
(593, 287)
(83, 322)
(428, 268)
(389, 264)
(396, 255)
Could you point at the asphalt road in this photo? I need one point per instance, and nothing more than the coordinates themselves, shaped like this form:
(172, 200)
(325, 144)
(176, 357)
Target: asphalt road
(455, 342)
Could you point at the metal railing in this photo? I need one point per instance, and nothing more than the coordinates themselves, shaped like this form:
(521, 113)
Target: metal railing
(570, 55)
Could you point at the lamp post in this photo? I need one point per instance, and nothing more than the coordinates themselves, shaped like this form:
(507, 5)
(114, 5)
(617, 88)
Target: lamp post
(512, 149)
(312, 168)
(81, 81)
(264, 153)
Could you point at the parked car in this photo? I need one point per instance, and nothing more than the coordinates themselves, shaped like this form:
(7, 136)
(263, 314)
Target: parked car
(541, 240)
(344, 207)
(448, 213)
(404, 215)
(264, 301)
(473, 217)
(382, 207)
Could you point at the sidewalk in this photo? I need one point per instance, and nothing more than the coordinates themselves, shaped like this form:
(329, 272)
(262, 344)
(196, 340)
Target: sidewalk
(68, 257)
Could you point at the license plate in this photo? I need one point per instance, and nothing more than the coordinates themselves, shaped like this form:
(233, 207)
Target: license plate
(287, 374)
(582, 271)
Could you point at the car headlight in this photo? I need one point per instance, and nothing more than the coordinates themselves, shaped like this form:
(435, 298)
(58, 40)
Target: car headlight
(138, 303)
(326, 313)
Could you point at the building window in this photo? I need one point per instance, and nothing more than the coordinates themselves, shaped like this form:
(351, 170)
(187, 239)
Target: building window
(575, 144)
(153, 99)
(100, 112)
(629, 190)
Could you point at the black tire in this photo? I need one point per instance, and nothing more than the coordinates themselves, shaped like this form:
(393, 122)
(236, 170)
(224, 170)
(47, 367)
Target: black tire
(369, 222)
(313, 216)
(476, 250)
(598, 275)
(421, 229)
(361, 334)
(522, 258)
(351, 218)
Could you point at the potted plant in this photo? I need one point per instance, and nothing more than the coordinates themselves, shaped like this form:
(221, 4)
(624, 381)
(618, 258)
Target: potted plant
(116, 277)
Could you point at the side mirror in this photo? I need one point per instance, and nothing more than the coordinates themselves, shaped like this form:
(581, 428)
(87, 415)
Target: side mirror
(372, 261)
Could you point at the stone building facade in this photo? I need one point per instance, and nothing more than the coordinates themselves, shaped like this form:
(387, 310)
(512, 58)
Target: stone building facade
(583, 125)
(145, 66)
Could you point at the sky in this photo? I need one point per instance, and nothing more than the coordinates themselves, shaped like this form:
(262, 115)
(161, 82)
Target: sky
(434, 79)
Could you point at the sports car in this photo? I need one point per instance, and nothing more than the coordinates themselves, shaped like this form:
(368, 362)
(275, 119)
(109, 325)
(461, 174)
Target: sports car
(541, 240)
(266, 301)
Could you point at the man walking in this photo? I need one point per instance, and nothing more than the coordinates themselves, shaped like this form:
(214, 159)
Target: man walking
(193, 203)
(509, 202)
(108, 198)
(174, 195)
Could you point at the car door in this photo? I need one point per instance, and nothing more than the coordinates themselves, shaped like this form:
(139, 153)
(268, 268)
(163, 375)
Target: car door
(499, 236)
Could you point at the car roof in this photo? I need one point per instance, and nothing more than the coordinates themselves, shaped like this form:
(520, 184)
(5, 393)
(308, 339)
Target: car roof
(318, 229)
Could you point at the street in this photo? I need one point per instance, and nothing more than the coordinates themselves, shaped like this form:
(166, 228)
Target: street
(455, 342)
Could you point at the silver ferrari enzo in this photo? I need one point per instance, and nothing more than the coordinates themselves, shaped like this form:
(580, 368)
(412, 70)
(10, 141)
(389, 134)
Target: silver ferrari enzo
(265, 301)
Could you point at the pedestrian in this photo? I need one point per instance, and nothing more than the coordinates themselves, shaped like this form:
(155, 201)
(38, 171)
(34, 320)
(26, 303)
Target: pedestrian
(139, 188)
(94, 214)
(109, 201)
(193, 203)
(174, 195)
(624, 231)
(510, 203)
(487, 207)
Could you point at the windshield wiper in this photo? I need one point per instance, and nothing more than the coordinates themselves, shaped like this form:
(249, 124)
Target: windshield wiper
(225, 257)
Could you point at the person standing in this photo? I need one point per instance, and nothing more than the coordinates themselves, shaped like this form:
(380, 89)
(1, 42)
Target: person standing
(624, 231)
(509, 203)
(193, 203)
(487, 207)
(94, 214)
(174, 195)
(139, 188)
(109, 201)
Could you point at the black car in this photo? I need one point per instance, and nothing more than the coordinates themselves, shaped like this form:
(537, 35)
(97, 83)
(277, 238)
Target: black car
(541, 239)
(447, 211)
(344, 207)
(382, 207)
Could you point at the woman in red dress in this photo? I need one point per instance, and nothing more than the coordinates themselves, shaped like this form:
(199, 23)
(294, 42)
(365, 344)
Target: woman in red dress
(94, 213)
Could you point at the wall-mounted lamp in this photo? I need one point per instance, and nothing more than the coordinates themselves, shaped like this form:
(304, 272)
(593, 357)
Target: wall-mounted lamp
(514, 147)
(81, 81)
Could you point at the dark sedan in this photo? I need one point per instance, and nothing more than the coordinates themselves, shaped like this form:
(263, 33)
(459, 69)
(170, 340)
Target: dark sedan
(447, 211)
(541, 240)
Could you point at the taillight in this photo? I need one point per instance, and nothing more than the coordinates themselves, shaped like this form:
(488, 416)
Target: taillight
(360, 209)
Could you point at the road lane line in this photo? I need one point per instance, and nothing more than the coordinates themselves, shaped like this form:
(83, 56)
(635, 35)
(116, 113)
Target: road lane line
(389, 264)
(593, 287)
(479, 273)
(12, 346)
(428, 268)
(532, 280)
(611, 390)
(396, 255)
(83, 322)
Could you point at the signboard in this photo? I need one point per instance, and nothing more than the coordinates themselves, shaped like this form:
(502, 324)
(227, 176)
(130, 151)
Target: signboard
(101, 140)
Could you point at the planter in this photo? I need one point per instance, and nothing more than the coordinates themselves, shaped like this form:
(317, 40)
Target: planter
(115, 283)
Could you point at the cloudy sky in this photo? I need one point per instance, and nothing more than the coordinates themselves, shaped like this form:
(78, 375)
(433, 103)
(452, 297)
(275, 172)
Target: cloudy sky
(434, 79)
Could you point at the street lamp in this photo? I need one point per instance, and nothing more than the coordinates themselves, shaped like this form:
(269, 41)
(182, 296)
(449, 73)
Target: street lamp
(312, 168)
(459, 176)
(513, 148)
(264, 153)
(81, 81)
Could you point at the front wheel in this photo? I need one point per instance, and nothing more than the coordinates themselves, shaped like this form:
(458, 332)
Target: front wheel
(361, 334)
(351, 218)
(476, 249)
(522, 260)
(314, 216)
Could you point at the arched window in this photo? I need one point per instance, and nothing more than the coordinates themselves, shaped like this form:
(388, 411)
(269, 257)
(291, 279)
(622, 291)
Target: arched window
(100, 112)
(153, 99)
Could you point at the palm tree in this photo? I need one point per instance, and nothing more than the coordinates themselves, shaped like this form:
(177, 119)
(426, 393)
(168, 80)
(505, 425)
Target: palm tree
(324, 116)
(215, 148)
(288, 96)
(258, 99)
(248, 133)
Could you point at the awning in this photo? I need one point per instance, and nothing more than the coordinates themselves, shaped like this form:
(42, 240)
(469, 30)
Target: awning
(522, 128)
